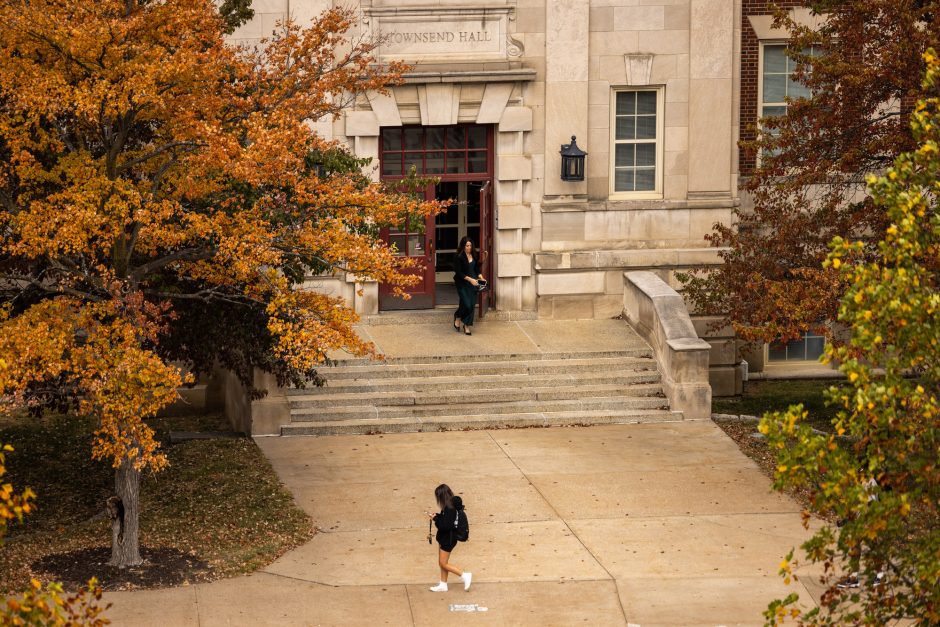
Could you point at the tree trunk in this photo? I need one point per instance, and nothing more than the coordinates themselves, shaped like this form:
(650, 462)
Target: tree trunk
(125, 514)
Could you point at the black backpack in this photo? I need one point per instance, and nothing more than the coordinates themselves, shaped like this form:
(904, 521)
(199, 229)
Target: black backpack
(461, 524)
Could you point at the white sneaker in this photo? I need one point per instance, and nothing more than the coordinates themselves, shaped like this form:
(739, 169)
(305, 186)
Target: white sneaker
(466, 580)
(441, 587)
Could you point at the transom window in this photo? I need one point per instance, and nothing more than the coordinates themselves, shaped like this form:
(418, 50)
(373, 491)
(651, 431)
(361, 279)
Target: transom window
(637, 142)
(434, 150)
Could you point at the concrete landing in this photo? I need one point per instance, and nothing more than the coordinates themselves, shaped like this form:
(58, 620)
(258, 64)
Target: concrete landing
(410, 335)
(650, 524)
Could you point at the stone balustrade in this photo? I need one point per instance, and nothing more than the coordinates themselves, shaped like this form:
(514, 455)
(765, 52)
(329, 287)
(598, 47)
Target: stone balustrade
(659, 315)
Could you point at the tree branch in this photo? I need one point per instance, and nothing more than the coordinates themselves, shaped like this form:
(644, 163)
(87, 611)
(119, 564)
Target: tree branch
(187, 254)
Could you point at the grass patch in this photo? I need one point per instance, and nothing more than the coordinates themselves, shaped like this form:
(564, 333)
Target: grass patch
(761, 397)
(217, 511)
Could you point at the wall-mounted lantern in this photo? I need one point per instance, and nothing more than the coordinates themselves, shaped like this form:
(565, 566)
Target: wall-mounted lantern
(572, 161)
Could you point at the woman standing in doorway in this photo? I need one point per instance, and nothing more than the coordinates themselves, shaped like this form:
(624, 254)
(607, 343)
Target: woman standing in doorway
(467, 277)
(445, 521)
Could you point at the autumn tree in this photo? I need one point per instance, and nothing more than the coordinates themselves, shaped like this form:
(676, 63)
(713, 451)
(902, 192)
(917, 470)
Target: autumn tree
(162, 200)
(38, 605)
(862, 69)
(878, 474)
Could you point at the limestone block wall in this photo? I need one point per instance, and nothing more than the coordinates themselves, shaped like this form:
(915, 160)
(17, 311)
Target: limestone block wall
(688, 51)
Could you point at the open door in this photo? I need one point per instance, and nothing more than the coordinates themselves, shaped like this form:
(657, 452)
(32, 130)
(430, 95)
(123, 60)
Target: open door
(488, 298)
(414, 240)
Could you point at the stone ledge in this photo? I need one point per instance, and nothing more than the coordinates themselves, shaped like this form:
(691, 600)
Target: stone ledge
(616, 259)
(470, 76)
(724, 202)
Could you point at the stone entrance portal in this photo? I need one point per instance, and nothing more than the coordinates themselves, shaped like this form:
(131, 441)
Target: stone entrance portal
(461, 158)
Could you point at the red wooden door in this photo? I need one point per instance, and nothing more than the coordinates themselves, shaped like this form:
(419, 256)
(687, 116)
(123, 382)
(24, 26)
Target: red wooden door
(488, 267)
(413, 240)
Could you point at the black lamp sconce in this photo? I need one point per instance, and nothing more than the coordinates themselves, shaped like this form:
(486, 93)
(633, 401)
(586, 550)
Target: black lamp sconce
(572, 161)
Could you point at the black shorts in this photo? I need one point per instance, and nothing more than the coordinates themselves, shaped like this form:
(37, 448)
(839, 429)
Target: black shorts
(447, 542)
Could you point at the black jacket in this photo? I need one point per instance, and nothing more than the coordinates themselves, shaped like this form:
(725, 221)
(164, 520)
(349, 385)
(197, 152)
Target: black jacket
(444, 521)
(464, 268)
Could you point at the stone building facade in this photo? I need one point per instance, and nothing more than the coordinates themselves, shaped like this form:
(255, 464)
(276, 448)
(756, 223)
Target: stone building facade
(652, 90)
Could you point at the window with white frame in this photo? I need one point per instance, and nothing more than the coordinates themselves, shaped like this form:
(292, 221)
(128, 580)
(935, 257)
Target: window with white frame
(777, 82)
(810, 347)
(636, 153)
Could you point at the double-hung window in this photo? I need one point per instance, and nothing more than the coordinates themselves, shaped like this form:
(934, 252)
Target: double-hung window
(777, 82)
(637, 138)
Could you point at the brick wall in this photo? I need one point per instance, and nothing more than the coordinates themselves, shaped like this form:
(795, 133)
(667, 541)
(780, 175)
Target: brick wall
(750, 70)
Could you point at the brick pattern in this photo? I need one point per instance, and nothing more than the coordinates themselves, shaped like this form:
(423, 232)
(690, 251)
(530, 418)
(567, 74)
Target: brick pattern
(750, 71)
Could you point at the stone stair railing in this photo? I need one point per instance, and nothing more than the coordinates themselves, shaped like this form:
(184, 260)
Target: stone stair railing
(659, 315)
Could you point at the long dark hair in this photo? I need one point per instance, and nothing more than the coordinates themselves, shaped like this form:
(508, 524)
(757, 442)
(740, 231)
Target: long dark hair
(444, 495)
(463, 243)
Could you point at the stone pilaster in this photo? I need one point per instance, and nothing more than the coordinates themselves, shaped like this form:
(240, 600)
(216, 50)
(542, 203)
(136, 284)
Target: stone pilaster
(711, 103)
(566, 88)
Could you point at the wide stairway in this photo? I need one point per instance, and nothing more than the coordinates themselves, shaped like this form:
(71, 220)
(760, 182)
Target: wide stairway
(485, 389)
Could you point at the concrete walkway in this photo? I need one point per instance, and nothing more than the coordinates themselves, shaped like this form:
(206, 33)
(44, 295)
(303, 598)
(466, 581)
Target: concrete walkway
(651, 524)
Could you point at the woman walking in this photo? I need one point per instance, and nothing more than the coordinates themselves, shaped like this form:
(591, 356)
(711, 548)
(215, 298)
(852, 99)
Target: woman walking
(467, 277)
(445, 521)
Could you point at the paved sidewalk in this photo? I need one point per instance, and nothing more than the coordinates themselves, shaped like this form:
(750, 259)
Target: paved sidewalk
(655, 524)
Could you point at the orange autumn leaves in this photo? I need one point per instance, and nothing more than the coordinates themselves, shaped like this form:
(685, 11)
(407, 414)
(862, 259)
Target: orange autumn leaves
(145, 164)
(98, 354)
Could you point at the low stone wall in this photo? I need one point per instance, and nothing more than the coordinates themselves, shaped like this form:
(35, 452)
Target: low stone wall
(255, 417)
(659, 315)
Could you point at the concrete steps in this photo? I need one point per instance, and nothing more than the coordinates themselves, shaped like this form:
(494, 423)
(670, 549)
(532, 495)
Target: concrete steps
(482, 392)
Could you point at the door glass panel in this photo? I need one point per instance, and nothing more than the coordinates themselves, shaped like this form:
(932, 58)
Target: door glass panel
(473, 204)
(449, 216)
(416, 244)
(473, 232)
(398, 242)
(447, 238)
(444, 262)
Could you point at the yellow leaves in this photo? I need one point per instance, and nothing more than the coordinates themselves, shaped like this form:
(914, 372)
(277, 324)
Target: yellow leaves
(853, 377)
(836, 263)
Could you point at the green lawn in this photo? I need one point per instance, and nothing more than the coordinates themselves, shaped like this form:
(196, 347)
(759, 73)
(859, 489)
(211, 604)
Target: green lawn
(777, 395)
(218, 510)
